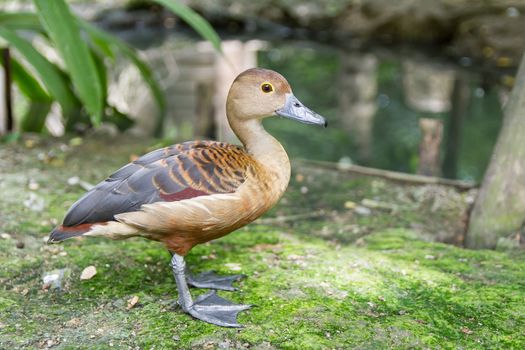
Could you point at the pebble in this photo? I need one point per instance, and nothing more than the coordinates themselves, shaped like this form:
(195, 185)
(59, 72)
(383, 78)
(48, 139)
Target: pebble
(5, 235)
(34, 202)
(88, 273)
(53, 279)
(233, 266)
(132, 302)
(364, 211)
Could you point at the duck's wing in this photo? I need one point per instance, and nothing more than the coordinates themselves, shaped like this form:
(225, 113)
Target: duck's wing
(174, 173)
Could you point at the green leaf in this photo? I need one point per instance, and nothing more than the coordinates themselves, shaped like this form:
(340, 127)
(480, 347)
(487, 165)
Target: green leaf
(35, 118)
(102, 74)
(27, 84)
(199, 24)
(40, 102)
(63, 30)
(98, 35)
(21, 21)
(52, 77)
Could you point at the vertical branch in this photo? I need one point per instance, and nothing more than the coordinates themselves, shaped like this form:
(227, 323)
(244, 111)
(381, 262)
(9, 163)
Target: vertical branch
(6, 60)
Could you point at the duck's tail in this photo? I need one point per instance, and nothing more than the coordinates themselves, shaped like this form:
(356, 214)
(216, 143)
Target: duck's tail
(62, 232)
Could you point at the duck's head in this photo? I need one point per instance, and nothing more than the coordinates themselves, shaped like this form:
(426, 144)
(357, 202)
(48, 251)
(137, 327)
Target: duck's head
(259, 93)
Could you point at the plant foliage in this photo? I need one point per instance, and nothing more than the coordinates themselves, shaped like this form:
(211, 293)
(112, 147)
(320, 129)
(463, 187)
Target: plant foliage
(78, 83)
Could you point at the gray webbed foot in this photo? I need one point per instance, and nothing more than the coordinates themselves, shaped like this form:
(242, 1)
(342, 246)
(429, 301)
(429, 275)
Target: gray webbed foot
(213, 309)
(212, 280)
(208, 307)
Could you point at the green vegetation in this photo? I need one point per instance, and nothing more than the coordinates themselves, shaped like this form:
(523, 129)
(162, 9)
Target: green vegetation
(79, 83)
(338, 280)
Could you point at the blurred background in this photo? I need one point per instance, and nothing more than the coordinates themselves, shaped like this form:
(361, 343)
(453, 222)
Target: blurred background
(411, 86)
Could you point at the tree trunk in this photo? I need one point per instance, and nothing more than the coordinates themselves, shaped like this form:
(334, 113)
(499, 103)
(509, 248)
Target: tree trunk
(499, 210)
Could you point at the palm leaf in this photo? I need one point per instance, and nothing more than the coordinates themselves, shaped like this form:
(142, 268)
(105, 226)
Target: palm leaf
(34, 119)
(21, 20)
(27, 84)
(39, 101)
(199, 24)
(63, 30)
(99, 36)
(51, 76)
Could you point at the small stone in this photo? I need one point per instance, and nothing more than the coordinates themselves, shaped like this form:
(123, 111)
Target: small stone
(30, 143)
(175, 337)
(132, 302)
(20, 245)
(466, 330)
(74, 322)
(88, 273)
(304, 190)
(364, 211)
(299, 177)
(430, 257)
(233, 266)
(73, 181)
(76, 141)
(33, 185)
(345, 163)
(5, 235)
(53, 279)
(350, 205)
(34, 202)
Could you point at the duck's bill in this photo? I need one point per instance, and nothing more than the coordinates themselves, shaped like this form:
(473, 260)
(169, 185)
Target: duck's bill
(295, 110)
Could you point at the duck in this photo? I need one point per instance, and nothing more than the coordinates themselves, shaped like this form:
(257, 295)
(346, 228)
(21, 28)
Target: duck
(197, 191)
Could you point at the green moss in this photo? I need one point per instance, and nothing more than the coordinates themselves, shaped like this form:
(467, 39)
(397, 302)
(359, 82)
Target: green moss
(336, 281)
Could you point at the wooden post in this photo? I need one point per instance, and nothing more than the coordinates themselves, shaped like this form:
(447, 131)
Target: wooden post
(204, 126)
(6, 100)
(429, 148)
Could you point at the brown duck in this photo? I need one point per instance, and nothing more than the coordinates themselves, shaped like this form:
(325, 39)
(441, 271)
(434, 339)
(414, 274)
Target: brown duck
(197, 191)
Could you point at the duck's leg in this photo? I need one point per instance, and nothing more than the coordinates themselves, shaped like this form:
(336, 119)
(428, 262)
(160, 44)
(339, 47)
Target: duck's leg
(208, 307)
(211, 280)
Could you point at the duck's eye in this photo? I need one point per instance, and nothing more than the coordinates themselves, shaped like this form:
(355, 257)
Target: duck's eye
(266, 87)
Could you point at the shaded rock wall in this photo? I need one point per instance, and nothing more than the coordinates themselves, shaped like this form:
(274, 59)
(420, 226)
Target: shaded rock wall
(491, 30)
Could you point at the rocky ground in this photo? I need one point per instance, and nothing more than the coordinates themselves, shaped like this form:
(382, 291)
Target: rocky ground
(342, 262)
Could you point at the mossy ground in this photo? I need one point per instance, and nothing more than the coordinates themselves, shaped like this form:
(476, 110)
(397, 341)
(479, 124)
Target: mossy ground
(322, 273)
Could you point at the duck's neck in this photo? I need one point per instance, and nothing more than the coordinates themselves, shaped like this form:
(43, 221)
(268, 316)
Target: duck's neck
(263, 147)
